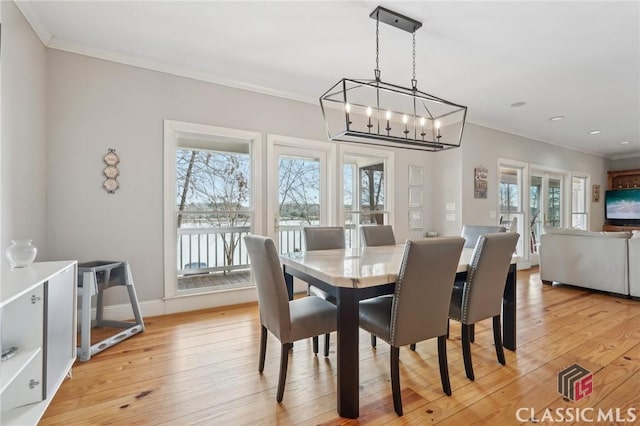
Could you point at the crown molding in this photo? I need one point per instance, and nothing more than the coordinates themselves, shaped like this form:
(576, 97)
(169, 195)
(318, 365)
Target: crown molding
(625, 156)
(153, 65)
(537, 139)
(34, 20)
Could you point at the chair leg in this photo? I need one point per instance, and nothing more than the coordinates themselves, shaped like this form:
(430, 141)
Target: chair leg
(412, 347)
(497, 340)
(472, 333)
(263, 347)
(373, 340)
(327, 340)
(444, 367)
(284, 362)
(314, 339)
(447, 328)
(395, 380)
(466, 351)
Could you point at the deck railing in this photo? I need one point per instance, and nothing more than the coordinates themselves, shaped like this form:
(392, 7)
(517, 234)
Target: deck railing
(204, 250)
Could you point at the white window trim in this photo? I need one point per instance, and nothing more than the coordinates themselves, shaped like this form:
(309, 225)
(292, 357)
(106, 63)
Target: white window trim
(566, 189)
(388, 156)
(587, 191)
(172, 131)
(328, 148)
(524, 204)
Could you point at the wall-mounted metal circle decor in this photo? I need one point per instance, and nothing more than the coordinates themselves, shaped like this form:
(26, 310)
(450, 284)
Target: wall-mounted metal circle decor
(111, 172)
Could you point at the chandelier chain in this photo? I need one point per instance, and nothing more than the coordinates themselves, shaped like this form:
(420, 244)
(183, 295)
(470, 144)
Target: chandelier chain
(377, 70)
(413, 79)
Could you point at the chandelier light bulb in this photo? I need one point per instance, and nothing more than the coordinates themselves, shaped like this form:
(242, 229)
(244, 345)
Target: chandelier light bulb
(405, 119)
(437, 125)
(347, 108)
(422, 121)
(369, 111)
(388, 128)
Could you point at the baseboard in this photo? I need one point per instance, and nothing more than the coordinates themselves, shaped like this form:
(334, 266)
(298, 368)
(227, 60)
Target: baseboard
(151, 308)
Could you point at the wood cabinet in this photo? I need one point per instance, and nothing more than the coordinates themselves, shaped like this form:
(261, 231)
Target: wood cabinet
(38, 317)
(623, 179)
(615, 228)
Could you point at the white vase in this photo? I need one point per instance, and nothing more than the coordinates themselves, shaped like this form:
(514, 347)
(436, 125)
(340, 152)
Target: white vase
(21, 253)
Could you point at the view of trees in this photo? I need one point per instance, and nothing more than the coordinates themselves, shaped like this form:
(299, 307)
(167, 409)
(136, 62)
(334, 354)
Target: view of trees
(372, 189)
(299, 190)
(213, 190)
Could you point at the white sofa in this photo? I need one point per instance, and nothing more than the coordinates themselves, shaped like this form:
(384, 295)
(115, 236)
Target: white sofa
(595, 260)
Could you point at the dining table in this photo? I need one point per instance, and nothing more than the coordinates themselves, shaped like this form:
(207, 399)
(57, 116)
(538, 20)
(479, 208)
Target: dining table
(355, 274)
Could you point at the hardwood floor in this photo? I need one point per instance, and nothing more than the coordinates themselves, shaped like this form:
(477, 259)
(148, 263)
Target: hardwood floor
(201, 368)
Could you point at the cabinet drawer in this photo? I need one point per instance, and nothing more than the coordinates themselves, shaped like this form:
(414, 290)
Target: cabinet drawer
(27, 386)
(21, 379)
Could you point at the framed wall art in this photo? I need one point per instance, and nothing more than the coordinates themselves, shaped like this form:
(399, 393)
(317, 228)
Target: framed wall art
(415, 175)
(480, 182)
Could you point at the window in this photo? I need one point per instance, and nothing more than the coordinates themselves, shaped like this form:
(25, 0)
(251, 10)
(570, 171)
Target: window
(209, 206)
(213, 216)
(511, 196)
(365, 195)
(300, 178)
(298, 199)
(579, 214)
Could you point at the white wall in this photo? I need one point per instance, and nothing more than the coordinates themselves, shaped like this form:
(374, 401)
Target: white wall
(95, 105)
(445, 185)
(483, 146)
(23, 163)
(624, 164)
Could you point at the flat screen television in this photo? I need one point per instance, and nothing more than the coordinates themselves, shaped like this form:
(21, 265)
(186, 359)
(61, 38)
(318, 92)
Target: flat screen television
(622, 206)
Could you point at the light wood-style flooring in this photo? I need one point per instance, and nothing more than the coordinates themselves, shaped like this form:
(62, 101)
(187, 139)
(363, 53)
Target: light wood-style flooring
(200, 368)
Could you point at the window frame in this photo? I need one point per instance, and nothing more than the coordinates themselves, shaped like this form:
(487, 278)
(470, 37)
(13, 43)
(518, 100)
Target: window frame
(173, 132)
(587, 204)
(388, 158)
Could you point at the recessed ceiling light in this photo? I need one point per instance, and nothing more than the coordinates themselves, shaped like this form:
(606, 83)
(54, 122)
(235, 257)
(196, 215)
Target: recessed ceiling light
(624, 142)
(594, 132)
(518, 104)
(557, 118)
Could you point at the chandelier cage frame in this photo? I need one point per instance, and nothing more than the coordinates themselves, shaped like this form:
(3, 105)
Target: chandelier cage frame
(377, 113)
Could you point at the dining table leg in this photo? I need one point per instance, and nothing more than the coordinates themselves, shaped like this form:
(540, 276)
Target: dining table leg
(347, 353)
(509, 310)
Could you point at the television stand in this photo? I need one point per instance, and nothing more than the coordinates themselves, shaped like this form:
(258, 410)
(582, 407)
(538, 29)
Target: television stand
(615, 228)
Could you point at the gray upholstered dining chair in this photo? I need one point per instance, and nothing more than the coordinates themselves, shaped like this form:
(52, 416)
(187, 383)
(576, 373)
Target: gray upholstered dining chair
(471, 233)
(377, 235)
(323, 238)
(480, 296)
(373, 236)
(286, 320)
(419, 307)
(510, 225)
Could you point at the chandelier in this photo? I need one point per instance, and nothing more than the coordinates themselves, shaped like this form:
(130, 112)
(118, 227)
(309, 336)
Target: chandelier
(378, 113)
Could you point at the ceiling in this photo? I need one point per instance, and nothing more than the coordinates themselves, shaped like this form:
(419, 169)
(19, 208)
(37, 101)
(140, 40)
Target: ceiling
(580, 60)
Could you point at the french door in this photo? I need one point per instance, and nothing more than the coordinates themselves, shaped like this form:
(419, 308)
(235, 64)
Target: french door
(546, 206)
(299, 177)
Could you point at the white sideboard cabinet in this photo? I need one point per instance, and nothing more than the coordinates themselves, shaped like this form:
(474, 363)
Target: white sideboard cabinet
(38, 317)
